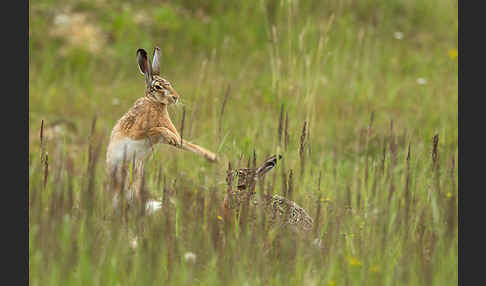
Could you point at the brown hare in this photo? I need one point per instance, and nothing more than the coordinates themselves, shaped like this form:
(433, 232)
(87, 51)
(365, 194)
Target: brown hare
(281, 211)
(146, 124)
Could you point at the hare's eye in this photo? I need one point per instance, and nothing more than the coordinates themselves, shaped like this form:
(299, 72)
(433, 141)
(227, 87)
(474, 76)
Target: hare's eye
(158, 87)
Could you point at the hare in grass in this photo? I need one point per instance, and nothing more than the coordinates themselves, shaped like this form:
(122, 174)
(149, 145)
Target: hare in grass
(146, 124)
(281, 211)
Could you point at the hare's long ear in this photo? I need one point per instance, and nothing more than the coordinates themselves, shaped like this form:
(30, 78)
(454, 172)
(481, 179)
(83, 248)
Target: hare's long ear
(156, 61)
(144, 66)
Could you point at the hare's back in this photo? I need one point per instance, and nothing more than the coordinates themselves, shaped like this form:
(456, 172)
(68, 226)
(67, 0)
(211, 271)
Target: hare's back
(126, 139)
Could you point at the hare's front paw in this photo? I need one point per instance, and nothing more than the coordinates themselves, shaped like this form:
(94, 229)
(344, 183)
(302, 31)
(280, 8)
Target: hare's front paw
(171, 141)
(212, 158)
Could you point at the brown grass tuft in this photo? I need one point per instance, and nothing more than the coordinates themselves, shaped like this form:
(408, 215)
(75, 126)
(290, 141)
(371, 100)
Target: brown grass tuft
(290, 189)
(223, 105)
(46, 169)
(302, 148)
(280, 125)
(286, 131)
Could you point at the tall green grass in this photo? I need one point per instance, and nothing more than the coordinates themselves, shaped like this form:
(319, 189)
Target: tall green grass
(352, 70)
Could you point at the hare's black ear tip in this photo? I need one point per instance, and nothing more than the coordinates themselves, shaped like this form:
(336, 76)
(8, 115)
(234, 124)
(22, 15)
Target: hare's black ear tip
(141, 52)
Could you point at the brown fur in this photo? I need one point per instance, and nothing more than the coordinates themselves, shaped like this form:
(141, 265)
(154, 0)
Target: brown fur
(147, 123)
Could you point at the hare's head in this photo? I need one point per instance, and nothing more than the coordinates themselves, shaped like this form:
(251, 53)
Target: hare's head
(158, 88)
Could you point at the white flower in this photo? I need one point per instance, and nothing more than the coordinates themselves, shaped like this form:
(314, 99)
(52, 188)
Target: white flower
(190, 257)
(61, 19)
(134, 243)
(152, 206)
(398, 35)
(421, 81)
(115, 101)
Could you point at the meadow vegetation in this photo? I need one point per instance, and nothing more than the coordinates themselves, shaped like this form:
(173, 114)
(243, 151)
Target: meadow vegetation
(374, 83)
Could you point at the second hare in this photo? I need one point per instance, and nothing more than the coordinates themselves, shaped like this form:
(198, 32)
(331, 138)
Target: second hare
(146, 124)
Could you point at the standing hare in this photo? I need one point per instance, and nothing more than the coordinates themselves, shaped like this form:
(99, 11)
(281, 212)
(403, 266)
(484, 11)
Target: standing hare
(146, 124)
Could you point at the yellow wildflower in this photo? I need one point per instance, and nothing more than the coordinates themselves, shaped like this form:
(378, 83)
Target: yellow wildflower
(332, 283)
(453, 54)
(449, 194)
(375, 269)
(220, 218)
(354, 261)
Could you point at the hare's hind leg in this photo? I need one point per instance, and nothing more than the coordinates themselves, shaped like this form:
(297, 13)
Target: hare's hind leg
(137, 186)
(140, 192)
(118, 179)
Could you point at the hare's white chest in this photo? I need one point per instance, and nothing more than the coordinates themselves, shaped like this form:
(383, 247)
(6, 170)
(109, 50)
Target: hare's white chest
(131, 149)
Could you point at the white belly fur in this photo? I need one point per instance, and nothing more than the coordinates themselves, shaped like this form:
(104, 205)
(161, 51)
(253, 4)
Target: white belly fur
(138, 148)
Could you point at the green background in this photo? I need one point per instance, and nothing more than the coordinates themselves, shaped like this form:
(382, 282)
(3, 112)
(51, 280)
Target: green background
(371, 79)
